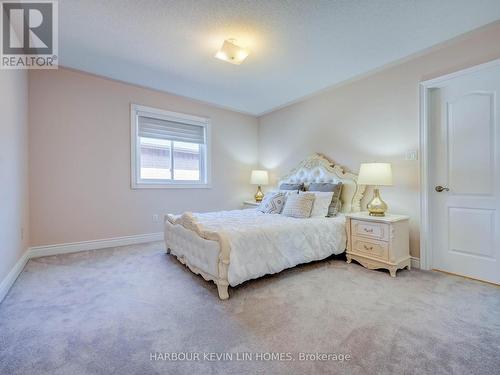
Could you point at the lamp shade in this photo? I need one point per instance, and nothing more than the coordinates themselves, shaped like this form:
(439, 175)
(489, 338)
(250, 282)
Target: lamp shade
(379, 174)
(259, 177)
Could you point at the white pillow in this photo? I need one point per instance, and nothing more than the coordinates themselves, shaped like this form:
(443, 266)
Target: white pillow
(288, 192)
(321, 204)
(285, 192)
(298, 205)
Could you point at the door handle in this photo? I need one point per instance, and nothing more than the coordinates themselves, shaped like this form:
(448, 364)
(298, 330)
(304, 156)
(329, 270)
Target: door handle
(440, 188)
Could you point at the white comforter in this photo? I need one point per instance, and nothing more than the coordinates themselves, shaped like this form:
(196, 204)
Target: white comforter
(264, 243)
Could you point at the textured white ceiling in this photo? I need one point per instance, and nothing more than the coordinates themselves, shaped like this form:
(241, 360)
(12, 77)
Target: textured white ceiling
(297, 46)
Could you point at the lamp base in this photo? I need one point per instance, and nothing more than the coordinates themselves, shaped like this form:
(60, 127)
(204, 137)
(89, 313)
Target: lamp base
(259, 195)
(377, 206)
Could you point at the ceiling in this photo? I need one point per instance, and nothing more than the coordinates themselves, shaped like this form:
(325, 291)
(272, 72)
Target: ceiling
(297, 47)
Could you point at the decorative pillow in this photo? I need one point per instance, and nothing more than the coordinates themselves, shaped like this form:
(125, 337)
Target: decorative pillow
(272, 203)
(321, 204)
(322, 186)
(284, 192)
(336, 203)
(296, 187)
(299, 205)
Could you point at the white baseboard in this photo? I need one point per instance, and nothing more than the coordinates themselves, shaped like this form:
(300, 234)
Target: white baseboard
(415, 262)
(11, 277)
(65, 248)
(74, 247)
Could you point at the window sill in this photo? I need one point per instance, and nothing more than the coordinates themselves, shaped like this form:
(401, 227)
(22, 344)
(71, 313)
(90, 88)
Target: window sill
(136, 186)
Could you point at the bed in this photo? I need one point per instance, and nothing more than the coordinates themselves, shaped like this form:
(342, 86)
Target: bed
(230, 247)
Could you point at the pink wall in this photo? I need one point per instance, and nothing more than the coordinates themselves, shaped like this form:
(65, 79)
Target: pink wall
(375, 118)
(80, 159)
(14, 225)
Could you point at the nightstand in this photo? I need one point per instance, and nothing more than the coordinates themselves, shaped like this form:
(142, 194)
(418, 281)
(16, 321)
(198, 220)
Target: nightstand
(250, 204)
(378, 241)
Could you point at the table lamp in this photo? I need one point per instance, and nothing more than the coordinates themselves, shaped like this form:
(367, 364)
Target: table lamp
(259, 177)
(376, 174)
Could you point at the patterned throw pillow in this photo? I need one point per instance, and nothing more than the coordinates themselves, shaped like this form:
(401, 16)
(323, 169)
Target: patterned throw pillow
(336, 204)
(272, 203)
(299, 205)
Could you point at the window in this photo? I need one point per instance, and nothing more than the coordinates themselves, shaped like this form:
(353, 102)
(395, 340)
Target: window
(169, 149)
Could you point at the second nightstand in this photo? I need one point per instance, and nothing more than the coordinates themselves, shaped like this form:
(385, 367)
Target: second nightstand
(378, 241)
(250, 204)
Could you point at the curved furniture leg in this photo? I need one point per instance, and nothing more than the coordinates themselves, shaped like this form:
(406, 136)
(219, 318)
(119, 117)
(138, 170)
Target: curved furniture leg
(392, 271)
(222, 289)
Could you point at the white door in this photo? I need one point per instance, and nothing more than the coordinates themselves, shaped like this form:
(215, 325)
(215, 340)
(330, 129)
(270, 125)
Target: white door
(464, 163)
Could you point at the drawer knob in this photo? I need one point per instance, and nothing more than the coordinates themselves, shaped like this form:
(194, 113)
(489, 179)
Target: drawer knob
(368, 248)
(368, 230)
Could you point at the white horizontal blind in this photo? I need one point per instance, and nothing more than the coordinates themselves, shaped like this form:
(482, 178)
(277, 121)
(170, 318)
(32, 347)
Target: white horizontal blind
(170, 130)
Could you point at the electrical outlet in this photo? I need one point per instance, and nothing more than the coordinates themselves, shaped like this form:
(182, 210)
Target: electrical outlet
(156, 218)
(411, 155)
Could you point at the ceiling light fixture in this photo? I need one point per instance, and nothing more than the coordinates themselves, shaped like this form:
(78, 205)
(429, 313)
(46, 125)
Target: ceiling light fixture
(231, 53)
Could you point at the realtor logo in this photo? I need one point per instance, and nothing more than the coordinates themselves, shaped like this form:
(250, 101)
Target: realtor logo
(29, 34)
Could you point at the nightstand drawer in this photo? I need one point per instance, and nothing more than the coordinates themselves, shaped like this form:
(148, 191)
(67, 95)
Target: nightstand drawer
(373, 248)
(378, 231)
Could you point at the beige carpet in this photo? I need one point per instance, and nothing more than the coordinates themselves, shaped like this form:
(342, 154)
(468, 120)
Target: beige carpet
(106, 311)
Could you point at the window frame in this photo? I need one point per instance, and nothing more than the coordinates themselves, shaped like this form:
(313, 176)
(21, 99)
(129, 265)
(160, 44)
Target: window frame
(205, 150)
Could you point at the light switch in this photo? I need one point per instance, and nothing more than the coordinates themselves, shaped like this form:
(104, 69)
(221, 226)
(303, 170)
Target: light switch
(411, 155)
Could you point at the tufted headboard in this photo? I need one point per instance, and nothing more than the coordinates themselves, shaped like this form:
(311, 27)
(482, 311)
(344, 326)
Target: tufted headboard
(318, 168)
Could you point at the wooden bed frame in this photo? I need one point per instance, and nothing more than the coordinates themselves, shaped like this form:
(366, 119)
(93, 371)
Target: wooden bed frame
(316, 168)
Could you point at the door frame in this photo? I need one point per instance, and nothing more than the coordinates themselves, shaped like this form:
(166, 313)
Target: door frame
(426, 250)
